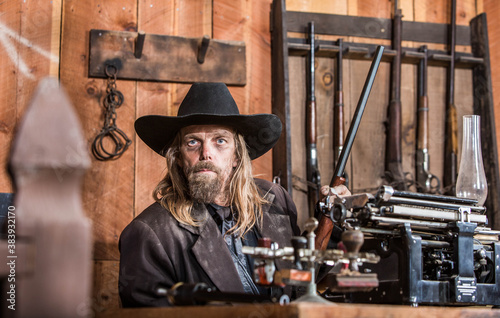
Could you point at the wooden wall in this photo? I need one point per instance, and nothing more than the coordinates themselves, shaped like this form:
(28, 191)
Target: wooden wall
(40, 38)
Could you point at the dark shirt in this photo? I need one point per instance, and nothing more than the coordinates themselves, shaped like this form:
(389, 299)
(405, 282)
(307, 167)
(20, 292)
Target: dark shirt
(243, 263)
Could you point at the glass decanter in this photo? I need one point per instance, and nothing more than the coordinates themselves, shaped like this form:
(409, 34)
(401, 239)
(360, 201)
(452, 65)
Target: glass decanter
(471, 181)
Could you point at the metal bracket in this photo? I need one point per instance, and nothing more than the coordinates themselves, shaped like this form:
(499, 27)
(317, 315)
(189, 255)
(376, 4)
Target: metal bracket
(151, 57)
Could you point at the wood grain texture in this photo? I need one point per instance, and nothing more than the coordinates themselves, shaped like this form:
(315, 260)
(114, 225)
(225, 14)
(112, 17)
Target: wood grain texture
(29, 51)
(304, 310)
(163, 98)
(248, 21)
(114, 192)
(492, 8)
(108, 186)
(48, 207)
(105, 295)
(9, 54)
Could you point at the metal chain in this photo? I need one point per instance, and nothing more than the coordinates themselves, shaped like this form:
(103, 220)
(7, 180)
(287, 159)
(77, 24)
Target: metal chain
(112, 101)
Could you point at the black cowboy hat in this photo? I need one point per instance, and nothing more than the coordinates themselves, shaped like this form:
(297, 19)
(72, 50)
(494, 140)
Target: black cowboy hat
(210, 104)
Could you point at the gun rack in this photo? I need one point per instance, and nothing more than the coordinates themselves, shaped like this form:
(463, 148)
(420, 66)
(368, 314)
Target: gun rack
(151, 57)
(289, 39)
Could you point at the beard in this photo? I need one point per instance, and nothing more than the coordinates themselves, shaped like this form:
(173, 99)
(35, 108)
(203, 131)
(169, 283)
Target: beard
(205, 187)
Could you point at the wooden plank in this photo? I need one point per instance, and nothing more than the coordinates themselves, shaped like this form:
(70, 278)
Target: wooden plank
(29, 34)
(224, 60)
(9, 70)
(37, 37)
(254, 19)
(369, 147)
(282, 159)
(152, 99)
(49, 208)
(303, 310)
(163, 98)
(297, 70)
(483, 106)
(258, 88)
(325, 87)
(105, 295)
(248, 21)
(108, 186)
(493, 11)
(323, 6)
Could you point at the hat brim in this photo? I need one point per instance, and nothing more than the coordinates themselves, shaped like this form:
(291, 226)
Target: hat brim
(261, 131)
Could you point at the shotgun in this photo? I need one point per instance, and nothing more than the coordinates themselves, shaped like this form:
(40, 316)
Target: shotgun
(451, 134)
(313, 176)
(393, 157)
(338, 113)
(426, 181)
(325, 227)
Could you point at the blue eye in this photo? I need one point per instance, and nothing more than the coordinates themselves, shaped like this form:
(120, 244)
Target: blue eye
(221, 141)
(192, 142)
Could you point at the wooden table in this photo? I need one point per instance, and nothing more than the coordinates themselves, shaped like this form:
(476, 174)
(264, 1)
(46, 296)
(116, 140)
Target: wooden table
(300, 310)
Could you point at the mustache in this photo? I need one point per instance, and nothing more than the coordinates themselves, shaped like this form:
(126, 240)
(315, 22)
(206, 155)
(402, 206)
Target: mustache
(203, 165)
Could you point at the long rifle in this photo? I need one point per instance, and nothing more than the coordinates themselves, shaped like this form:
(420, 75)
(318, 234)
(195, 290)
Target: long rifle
(451, 134)
(338, 112)
(313, 176)
(426, 181)
(393, 156)
(325, 227)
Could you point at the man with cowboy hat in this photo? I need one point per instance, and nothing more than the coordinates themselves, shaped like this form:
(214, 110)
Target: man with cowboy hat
(208, 205)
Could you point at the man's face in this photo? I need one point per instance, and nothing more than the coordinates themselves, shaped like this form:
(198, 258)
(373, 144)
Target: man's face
(208, 158)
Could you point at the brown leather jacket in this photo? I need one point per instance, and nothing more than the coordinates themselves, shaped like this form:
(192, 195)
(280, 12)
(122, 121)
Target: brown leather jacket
(156, 249)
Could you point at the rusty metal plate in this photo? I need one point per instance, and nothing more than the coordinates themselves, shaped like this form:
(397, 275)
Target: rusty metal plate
(166, 58)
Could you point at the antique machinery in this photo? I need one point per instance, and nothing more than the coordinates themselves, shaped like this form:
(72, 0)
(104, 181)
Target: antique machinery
(434, 249)
(304, 259)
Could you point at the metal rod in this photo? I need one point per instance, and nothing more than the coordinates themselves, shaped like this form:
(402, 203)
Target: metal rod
(353, 128)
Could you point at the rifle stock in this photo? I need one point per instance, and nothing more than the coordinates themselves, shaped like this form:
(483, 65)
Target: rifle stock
(325, 226)
(451, 133)
(312, 171)
(393, 153)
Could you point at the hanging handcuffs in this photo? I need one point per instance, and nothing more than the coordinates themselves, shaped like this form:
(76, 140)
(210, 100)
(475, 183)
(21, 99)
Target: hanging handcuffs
(112, 101)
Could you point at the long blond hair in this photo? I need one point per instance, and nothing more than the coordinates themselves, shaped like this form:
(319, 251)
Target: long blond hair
(244, 197)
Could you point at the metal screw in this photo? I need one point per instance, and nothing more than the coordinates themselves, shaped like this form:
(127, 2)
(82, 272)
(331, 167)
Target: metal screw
(459, 297)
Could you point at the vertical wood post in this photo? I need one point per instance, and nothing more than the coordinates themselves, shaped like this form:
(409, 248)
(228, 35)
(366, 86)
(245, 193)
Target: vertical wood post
(48, 160)
(282, 158)
(483, 106)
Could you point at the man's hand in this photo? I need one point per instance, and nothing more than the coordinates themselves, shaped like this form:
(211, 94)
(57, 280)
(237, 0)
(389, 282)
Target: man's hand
(340, 191)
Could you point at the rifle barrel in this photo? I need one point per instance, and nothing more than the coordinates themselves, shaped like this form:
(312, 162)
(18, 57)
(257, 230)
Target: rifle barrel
(451, 137)
(360, 108)
(313, 176)
(338, 110)
(393, 149)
